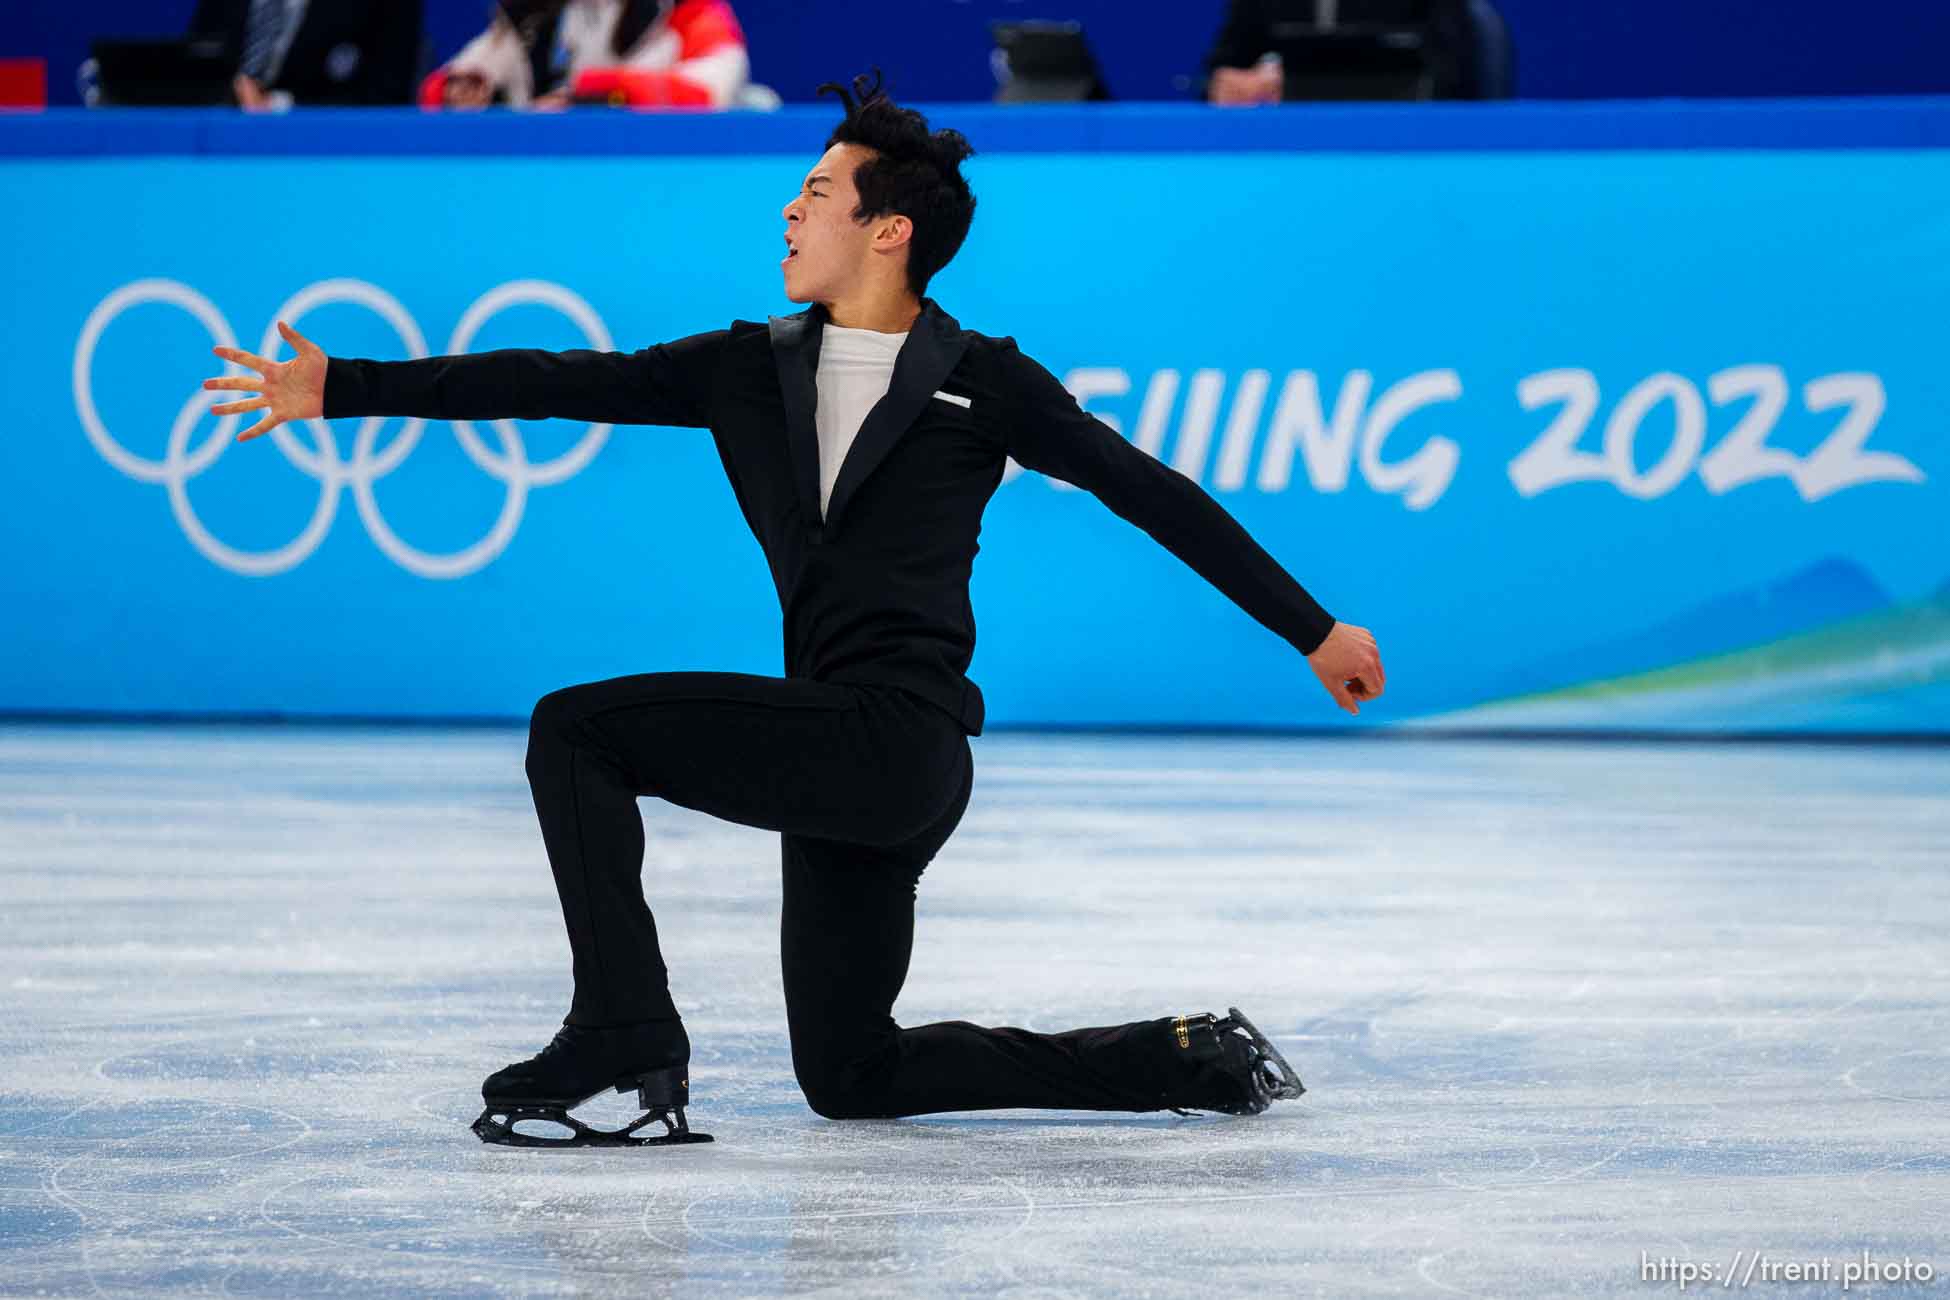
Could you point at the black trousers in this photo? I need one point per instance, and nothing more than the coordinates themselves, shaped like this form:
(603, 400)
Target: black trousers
(865, 783)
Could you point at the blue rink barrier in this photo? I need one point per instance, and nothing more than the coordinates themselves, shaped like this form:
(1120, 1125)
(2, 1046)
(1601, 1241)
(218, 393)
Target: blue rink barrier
(1604, 417)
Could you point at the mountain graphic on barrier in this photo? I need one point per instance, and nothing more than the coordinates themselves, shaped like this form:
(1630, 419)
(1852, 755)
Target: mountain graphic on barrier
(1826, 592)
(1884, 670)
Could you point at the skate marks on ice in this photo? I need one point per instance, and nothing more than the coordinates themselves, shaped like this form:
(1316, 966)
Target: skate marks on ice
(1555, 1006)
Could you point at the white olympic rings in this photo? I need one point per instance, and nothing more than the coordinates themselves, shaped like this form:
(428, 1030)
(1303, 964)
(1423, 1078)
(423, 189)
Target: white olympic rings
(180, 464)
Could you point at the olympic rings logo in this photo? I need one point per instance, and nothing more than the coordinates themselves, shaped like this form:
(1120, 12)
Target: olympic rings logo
(180, 463)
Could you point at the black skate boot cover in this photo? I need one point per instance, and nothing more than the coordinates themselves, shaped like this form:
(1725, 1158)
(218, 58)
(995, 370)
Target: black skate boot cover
(582, 1061)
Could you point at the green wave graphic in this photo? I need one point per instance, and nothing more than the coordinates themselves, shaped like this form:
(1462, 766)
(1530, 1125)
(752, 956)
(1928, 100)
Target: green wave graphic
(1859, 671)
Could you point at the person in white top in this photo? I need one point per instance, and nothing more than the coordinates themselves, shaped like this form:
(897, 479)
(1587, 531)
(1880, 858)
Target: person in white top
(635, 53)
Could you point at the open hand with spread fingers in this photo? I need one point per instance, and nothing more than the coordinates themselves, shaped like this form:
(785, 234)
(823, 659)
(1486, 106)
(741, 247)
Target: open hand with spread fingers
(287, 390)
(1349, 666)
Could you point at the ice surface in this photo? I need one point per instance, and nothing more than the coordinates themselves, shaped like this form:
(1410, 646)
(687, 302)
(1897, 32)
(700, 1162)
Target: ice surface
(1556, 1006)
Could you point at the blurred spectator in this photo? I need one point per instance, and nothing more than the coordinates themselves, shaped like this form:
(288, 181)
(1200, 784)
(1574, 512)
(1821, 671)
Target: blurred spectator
(317, 51)
(643, 53)
(1468, 42)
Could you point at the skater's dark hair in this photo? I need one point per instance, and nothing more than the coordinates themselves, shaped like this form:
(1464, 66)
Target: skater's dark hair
(915, 173)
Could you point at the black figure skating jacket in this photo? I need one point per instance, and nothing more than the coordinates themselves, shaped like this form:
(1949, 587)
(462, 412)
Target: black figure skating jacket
(877, 591)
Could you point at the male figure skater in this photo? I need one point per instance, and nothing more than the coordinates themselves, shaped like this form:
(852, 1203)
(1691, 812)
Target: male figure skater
(863, 437)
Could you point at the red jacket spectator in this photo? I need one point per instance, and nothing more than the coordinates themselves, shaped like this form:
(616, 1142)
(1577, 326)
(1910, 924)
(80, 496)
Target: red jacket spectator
(644, 53)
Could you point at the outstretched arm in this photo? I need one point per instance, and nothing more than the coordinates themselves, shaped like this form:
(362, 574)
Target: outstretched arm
(665, 384)
(1047, 431)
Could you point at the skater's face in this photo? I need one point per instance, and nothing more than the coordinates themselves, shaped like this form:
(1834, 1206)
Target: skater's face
(828, 253)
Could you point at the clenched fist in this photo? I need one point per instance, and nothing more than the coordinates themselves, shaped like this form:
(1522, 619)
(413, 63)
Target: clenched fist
(1349, 666)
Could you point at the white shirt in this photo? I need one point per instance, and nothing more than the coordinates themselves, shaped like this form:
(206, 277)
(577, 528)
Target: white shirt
(583, 35)
(855, 369)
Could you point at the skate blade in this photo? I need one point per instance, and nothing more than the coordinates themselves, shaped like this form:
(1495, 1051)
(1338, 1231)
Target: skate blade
(1290, 1085)
(496, 1127)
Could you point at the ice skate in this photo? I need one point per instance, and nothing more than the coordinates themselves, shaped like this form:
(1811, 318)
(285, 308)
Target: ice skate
(1239, 1071)
(652, 1058)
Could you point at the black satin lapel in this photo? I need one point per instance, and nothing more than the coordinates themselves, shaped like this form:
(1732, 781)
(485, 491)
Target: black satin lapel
(933, 348)
(795, 350)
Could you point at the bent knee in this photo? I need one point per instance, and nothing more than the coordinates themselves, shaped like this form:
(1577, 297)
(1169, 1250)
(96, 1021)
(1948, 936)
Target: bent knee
(852, 1091)
(830, 1100)
(553, 714)
(555, 723)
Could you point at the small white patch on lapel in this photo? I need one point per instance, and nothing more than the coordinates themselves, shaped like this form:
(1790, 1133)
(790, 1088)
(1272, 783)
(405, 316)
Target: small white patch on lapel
(951, 397)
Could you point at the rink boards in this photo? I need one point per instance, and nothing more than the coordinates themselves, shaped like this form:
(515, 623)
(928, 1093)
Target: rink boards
(1600, 418)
